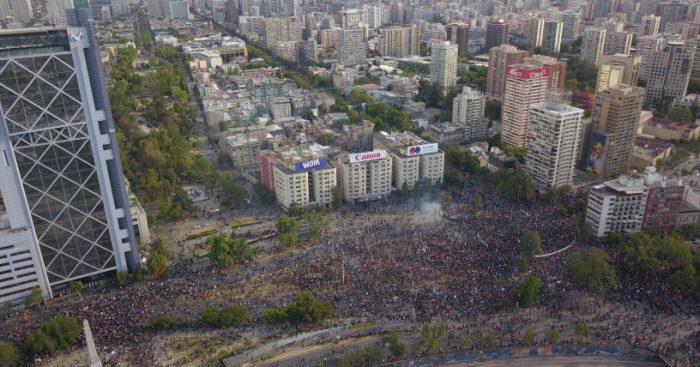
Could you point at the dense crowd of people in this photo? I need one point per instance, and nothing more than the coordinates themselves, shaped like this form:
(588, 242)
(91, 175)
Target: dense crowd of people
(384, 261)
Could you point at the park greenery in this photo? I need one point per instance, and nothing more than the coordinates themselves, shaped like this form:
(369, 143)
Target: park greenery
(396, 348)
(287, 229)
(432, 335)
(648, 255)
(359, 358)
(9, 355)
(56, 334)
(165, 322)
(580, 75)
(527, 291)
(530, 245)
(158, 162)
(225, 316)
(396, 118)
(592, 271)
(305, 309)
(225, 251)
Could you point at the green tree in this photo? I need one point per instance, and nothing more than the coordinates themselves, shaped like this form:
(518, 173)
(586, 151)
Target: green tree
(337, 193)
(57, 334)
(582, 229)
(156, 264)
(527, 291)
(582, 330)
(326, 139)
(165, 322)
(211, 316)
(233, 315)
(450, 178)
(432, 335)
(684, 281)
(286, 225)
(225, 251)
(493, 110)
(307, 309)
(636, 254)
(490, 339)
(396, 348)
(681, 114)
(552, 334)
(294, 209)
(75, 286)
(36, 298)
(9, 355)
(274, 315)
(122, 277)
(591, 271)
(674, 252)
(530, 245)
(528, 335)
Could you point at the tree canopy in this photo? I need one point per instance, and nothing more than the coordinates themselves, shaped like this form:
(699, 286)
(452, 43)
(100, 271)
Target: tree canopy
(527, 291)
(57, 334)
(225, 251)
(305, 309)
(591, 271)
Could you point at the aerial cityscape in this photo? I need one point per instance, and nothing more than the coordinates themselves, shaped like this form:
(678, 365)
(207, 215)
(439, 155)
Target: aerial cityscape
(338, 183)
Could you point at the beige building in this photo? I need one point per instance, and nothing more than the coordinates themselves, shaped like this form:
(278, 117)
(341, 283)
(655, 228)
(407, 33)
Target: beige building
(593, 45)
(615, 120)
(631, 66)
(499, 58)
(309, 187)
(443, 66)
(400, 41)
(609, 76)
(365, 176)
(413, 159)
(526, 85)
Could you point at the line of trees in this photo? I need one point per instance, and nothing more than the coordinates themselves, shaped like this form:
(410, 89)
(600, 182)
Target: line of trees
(305, 309)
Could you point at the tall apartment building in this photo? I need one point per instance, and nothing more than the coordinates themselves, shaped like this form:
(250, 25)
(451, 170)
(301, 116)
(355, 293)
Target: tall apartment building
(669, 74)
(398, 41)
(458, 33)
(551, 37)
(499, 58)
(572, 25)
(56, 10)
(21, 10)
(413, 159)
(308, 184)
(351, 18)
(534, 31)
(306, 52)
(592, 45)
(443, 66)
(468, 112)
(554, 135)
(647, 201)
(631, 65)
(66, 211)
(614, 127)
(282, 30)
(365, 176)
(352, 47)
(496, 33)
(609, 76)
(649, 25)
(557, 70)
(617, 43)
(120, 8)
(646, 47)
(671, 12)
(526, 85)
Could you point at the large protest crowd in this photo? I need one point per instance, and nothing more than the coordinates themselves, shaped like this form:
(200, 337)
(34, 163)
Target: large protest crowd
(378, 263)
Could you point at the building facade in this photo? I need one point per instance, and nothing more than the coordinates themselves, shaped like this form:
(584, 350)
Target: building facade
(352, 47)
(669, 74)
(365, 176)
(443, 66)
(496, 33)
(468, 112)
(554, 135)
(526, 85)
(61, 178)
(592, 45)
(458, 33)
(551, 37)
(499, 59)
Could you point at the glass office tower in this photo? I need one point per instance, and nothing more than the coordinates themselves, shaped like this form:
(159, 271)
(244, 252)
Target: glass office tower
(61, 181)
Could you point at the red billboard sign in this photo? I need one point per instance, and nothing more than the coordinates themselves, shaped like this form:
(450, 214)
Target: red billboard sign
(527, 73)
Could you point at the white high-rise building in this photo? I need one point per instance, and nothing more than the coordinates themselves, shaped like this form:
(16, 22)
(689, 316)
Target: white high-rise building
(554, 135)
(646, 47)
(56, 10)
(443, 66)
(593, 45)
(669, 74)
(352, 47)
(468, 112)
